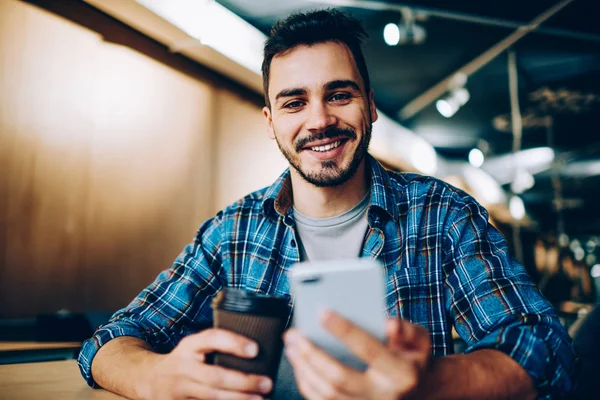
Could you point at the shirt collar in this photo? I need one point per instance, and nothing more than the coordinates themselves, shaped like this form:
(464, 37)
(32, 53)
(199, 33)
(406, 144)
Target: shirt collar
(384, 194)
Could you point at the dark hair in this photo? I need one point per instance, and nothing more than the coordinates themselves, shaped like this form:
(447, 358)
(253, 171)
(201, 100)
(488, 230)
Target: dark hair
(314, 27)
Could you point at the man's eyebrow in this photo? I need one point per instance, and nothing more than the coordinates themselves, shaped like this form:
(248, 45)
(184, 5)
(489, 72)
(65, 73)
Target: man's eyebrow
(290, 93)
(342, 84)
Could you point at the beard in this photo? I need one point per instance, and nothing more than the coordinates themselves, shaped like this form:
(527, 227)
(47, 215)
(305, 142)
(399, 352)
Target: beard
(330, 174)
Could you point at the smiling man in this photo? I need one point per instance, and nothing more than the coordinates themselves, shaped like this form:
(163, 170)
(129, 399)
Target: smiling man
(445, 264)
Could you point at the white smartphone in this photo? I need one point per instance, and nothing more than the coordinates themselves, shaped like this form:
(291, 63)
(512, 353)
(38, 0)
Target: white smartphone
(353, 288)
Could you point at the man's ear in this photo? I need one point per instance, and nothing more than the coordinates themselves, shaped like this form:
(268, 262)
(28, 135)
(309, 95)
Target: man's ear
(372, 108)
(269, 121)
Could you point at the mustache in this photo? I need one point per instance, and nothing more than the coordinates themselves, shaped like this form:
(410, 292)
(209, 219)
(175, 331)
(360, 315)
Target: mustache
(328, 134)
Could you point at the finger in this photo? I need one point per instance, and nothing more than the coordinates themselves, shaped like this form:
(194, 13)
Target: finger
(222, 341)
(393, 333)
(305, 388)
(340, 377)
(404, 335)
(227, 379)
(192, 390)
(416, 336)
(366, 347)
(308, 378)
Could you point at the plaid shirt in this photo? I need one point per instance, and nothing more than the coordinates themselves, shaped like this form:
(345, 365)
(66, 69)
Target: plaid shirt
(445, 266)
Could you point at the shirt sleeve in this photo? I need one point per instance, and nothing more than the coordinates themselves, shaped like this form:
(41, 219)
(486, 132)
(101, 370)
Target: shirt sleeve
(177, 303)
(495, 304)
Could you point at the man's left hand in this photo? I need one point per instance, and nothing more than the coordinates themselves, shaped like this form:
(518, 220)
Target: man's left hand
(394, 368)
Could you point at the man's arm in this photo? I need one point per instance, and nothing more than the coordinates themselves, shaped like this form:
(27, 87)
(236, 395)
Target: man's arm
(127, 365)
(123, 364)
(175, 304)
(496, 306)
(401, 368)
(151, 348)
(488, 374)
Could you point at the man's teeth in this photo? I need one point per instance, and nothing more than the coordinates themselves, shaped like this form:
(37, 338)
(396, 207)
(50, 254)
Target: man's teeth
(327, 147)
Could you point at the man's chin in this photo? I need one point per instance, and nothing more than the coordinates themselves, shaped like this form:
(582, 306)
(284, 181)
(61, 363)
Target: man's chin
(325, 176)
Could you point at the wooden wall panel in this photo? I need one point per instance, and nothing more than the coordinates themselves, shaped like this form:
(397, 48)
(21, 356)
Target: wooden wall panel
(105, 165)
(247, 159)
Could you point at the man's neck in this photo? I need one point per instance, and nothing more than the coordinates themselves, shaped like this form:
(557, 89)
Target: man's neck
(324, 202)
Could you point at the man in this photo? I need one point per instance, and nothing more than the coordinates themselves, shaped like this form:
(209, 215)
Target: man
(444, 263)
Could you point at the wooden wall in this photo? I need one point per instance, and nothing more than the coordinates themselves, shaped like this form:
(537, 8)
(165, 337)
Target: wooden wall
(109, 161)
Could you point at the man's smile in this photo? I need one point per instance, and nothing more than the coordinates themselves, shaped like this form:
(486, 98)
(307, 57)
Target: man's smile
(326, 149)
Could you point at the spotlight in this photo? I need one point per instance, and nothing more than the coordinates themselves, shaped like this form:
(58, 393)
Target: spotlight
(391, 34)
(517, 207)
(476, 158)
(449, 105)
(406, 32)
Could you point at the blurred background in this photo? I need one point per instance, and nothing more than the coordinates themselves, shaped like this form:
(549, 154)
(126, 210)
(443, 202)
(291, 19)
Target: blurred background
(125, 124)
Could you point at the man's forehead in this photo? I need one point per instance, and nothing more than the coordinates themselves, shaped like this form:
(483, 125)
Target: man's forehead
(312, 67)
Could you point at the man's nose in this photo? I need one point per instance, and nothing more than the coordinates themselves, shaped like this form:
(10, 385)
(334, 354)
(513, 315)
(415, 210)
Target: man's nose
(320, 117)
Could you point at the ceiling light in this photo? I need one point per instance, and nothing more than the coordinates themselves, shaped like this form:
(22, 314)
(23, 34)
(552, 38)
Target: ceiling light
(215, 26)
(579, 254)
(411, 34)
(485, 188)
(590, 246)
(563, 240)
(517, 207)
(391, 34)
(476, 158)
(574, 245)
(449, 105)
(596, 271)
(523, 181)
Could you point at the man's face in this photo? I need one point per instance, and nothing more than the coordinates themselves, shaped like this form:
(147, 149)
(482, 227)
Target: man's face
(320, 115)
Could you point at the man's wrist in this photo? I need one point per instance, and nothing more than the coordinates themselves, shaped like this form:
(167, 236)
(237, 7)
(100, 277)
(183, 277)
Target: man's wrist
(146, 375)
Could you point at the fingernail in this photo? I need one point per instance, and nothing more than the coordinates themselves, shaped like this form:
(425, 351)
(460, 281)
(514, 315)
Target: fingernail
(251, 349)
(265, 385)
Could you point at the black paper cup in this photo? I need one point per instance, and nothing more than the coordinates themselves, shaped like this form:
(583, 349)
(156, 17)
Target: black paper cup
(258, 317)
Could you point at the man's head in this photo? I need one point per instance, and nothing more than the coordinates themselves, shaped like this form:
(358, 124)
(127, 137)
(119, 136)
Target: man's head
(312, 28)
(319, 102)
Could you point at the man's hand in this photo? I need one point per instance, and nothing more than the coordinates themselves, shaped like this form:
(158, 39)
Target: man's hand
(394, 369)
(184, 374)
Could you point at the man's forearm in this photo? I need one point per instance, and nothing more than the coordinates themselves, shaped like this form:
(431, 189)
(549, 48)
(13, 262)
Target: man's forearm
(122, 364)
(488, 374)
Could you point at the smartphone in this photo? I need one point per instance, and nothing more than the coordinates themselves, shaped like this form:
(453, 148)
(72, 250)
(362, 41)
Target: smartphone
(353, 288)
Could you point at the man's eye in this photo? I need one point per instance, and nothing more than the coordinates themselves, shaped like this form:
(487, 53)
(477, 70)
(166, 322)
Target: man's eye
(294, 104)
(340, 97)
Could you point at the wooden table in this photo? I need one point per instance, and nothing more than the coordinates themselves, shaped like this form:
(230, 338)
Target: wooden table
(58, 380)
(17, 346)
(19, 352)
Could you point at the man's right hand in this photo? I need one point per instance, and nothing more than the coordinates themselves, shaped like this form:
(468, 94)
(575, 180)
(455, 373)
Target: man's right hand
(184, 374)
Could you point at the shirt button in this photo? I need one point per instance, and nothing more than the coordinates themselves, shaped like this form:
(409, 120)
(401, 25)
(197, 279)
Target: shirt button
(293, 243)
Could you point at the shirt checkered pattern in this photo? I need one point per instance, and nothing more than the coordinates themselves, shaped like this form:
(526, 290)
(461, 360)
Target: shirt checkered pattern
(445, 266)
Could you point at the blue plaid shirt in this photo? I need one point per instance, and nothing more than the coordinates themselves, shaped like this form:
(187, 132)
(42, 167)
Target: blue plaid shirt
(445, 265)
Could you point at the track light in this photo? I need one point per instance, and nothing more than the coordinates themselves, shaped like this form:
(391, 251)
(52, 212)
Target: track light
(394, 34)
(406, 32)
(449, 105)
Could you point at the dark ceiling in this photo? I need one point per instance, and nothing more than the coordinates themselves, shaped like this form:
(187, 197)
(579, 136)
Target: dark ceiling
(558, 73)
